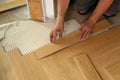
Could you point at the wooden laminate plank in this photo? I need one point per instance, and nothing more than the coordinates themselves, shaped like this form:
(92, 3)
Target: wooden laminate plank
(86, 67)
(7, 70)
(12, 4)
(74, 68)
(27, 67)
(94, 46)
(103, 50)
(109, 55)
(64, 70)
(108, 62)
(114, 70)
(49, 69)
(69, 39)
(14, 57)
(36, 10)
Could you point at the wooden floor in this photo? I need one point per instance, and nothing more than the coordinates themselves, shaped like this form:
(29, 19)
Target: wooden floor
(69, 39)
(95, 59)
(10, 4)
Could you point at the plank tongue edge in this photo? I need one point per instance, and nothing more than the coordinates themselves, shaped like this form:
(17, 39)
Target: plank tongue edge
(86, 67)
(62, 43)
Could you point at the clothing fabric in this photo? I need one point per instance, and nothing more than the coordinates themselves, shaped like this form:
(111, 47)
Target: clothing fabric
(86, 4)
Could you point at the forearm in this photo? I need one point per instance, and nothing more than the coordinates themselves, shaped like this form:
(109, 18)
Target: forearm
(62, 8)
(102, 6)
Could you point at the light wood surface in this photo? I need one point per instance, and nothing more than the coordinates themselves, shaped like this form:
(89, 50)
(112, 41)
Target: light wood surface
(7, 70)
(94, 46)
(36, 10)
(65, 70)
(86, 68)
(77, 68)
(103, 51)
(27, 67)
(61, 43)
(11, 4)
(114, 70)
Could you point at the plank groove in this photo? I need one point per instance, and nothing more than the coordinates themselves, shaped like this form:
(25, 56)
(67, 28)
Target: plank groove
(69, 39)
(103, 50)
(94, 47)
(74, 68)
(64, 70)
(86, 67)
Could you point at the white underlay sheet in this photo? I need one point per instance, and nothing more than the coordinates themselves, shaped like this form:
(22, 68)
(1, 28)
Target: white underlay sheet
(29, 35)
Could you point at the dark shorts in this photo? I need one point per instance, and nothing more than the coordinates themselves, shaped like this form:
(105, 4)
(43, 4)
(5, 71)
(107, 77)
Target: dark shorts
(85, 4)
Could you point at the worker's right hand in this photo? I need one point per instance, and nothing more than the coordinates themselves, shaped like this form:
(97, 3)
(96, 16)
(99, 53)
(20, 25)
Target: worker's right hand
(57, 31)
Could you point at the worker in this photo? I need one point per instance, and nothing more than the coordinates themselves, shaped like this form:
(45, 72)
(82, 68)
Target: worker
(107, 7)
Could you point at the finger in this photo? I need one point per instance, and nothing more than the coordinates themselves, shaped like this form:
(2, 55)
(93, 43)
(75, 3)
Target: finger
(82, 34)
(80, 28)
(88, 36)
(85, 35)
(60, 34)
(51, 36)
(54, 37)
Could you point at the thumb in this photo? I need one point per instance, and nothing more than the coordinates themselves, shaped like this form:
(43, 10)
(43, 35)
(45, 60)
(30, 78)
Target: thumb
(54, 37)
(80, 28)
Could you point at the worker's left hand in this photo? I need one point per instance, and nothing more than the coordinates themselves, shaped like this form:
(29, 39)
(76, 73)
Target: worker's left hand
(86, 30)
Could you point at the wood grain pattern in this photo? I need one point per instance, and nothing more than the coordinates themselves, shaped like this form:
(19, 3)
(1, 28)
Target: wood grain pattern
(94, 46)
(61, 43)
(11, 4)
(114, 70)
(77, 68)
(108, 63)
(103, 50)
(26, 67)
(7, 70)
(65, 70)
(86, 67)
(69, 70)
(36, 11)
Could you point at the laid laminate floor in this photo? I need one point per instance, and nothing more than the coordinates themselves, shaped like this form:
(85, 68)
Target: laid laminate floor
(77, 68)
(104, 56)
(103, 50)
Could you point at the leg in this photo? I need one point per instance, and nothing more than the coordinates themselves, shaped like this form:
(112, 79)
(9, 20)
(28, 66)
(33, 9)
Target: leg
(85, 5)
(114, 9)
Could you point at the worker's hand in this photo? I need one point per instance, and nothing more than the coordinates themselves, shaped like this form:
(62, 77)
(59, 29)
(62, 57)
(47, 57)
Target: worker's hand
(86, 30)
(57, 31)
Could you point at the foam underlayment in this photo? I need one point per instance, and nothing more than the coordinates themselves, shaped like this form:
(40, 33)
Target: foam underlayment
(29, 35)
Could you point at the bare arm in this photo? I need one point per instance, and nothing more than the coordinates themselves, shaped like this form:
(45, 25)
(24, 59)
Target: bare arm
(59, 27)
(87, 27)
(102, 6)
(62, 8)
